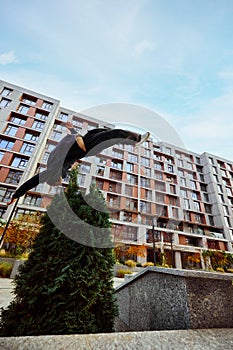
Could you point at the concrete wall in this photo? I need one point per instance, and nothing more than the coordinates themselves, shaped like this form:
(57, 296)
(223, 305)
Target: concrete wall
(170, 299)
(204, 339)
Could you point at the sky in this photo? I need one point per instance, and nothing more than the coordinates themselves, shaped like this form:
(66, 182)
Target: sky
(172, 57)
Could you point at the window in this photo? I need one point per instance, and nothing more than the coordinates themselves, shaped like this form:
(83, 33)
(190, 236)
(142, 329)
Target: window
(186, 204)
(63, 116)
(116, 164)
(160, 186)
(229, 192)
(11, 130)
(117, 154)
(129, 167)
(132, 158)
(147, 172)
(133, 179)
(197, 206)
(131, 204)
(81, 179)
(30, 137)
(45, 157)
(203, 188)
(193, 185)
(145, 207)
(13, 177)
(6, 92)
(159, 197)
(100, 160)
(20, 163)
(184, 193)
(158, 166)
(197, 218)
(128, 190)
(183, 181)
(206, 197)
(49, 147)
(29, 100)
(172, 189)
(27, 148)
(6, 144)
(59, 127)
(208, 208)
(38, 125)
(47, 105)
(85, 168)
(145, 161)
(100, 170)
(225, 209)
(41, 115)
(175, 213)
(145, 182)
(129, 148)
(170, 168)
(32, 200)
(1, 155)
(18, 120)
(56, 135)
(4, 102)
(23, 109)
(194, 195)
(5, 194)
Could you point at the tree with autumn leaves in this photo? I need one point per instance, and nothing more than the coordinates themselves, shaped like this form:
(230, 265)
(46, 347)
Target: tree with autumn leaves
(21, 233)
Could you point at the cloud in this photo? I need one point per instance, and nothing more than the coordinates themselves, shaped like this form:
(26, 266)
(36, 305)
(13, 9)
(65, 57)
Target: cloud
(8, 58)
(143, 46)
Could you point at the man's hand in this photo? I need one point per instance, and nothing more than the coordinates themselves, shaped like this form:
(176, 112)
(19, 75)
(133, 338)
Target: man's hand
(69, 125)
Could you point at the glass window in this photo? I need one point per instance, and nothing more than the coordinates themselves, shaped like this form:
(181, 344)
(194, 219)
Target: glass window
(1, 155)
(27, 148)
(6, 92)
(116, 164)
(20, 163)
(31, 137)
(145, 161)
(5, 194)
(23, 109)
(13, 177)
(56, 135)
(85, 168)
(47, 105)
(132, 158)
(41, 115)
(4, 102)
(63, 117)
(11, 130)
(38, 125)
(18, 120)
(6, 144)
(32, 200)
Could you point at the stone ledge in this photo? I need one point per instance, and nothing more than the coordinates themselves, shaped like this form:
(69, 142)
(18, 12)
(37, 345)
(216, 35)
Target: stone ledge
(204, 339)
(178, 272)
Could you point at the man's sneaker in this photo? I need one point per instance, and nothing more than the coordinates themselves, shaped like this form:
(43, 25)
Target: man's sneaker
(143, 138)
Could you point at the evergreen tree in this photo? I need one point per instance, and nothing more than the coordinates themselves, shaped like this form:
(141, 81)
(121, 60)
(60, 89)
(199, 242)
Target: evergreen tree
(65, 287)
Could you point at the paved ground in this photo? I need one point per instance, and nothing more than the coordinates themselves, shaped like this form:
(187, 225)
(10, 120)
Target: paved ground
(6, 287)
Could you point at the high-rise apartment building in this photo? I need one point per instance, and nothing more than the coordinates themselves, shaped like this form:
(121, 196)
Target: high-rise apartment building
(161, 198)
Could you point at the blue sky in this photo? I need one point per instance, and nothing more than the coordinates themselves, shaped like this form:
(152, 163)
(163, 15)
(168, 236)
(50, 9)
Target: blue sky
(174, 57)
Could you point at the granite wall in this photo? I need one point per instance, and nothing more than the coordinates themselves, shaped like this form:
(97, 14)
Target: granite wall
(171, 299)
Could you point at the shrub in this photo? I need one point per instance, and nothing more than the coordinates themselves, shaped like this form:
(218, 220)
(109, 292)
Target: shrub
(230, 270)
(220, 269)
(148, 263)
(121, 273)
(5, 269)
(138, 264)
(130, 263)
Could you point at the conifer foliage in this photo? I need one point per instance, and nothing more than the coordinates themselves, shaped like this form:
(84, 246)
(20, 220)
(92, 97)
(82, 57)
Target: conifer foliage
(64, 287)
